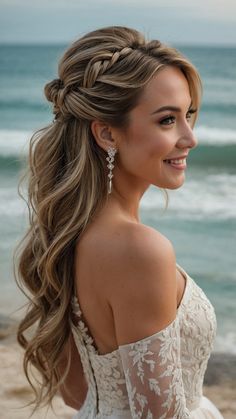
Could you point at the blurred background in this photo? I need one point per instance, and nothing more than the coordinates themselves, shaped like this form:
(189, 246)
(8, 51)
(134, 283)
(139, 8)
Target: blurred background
(201, 219)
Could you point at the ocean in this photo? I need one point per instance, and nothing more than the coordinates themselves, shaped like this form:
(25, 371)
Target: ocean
(201, 217)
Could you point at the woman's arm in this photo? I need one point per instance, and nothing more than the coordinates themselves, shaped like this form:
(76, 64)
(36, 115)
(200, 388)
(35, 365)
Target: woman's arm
(74, 388)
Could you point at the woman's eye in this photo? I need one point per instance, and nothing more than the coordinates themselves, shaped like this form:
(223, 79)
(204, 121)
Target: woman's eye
(189, 114)
(170, 119)
(165, 121)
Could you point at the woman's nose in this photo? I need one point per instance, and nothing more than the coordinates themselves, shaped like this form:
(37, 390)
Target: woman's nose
(187, 138)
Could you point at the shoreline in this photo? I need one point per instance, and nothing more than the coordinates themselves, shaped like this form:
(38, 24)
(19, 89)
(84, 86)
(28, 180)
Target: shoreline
(15, 392)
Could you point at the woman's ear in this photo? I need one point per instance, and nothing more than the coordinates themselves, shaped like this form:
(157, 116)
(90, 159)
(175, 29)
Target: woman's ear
(102, 134)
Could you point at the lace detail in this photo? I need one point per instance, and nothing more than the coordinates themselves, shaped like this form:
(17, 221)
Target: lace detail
(80, 323)
(197, 339)
(105, 370)
(153, 374)
(160, 376)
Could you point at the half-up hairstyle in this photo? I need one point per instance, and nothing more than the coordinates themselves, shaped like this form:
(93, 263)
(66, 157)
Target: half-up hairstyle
(100, 76)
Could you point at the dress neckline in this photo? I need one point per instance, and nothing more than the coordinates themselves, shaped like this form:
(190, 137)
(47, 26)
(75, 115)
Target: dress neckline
(88, 337)
(186, 287)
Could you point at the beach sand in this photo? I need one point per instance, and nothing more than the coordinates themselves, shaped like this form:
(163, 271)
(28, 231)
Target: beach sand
(15, 392)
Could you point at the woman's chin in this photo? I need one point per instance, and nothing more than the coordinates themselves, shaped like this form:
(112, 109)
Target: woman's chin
(175, 187)
(175, 184)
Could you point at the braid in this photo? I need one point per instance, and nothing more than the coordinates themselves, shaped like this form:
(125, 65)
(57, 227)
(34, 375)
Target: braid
(71, 100)
(101, 63)
(86, 87)
(53, 93)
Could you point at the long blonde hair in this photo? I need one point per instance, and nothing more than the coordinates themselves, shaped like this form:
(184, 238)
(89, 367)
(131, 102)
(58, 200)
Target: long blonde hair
(101, 76)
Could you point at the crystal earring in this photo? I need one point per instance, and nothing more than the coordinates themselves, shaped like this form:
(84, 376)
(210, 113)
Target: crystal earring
(111, 153)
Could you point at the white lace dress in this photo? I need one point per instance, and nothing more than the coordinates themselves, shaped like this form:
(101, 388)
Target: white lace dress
(158, 377)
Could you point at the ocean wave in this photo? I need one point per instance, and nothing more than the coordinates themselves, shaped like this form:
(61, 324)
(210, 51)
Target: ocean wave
(226, 343)
(14, 143)
(216, 147)
(215, 136)
(11, 205)
(204, 196)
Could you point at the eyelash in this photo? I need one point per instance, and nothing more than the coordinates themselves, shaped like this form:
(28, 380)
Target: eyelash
(190, 112)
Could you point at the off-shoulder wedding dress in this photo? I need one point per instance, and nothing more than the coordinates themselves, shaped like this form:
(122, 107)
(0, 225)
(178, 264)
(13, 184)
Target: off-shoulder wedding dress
(157, 377)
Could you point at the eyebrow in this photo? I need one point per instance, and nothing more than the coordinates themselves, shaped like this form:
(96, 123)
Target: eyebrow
(169, 108)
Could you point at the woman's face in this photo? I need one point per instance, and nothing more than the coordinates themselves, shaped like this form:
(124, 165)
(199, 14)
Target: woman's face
(154, 147)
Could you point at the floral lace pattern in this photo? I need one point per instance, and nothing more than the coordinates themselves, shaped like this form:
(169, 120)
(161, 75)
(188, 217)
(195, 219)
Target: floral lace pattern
(160, 376)
(104, 370)
(153, 374)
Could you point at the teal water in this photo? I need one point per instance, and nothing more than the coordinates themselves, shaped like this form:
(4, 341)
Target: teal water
(201, 218)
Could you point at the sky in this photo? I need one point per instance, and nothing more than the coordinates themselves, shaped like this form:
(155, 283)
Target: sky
(201, 22)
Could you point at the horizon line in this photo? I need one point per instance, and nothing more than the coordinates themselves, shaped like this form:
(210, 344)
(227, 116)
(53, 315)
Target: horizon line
(67, 43)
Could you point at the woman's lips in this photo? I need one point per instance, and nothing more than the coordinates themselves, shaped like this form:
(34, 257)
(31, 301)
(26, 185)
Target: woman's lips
(179, 164)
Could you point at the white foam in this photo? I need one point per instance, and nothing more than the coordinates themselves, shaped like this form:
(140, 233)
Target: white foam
(215, 136)
(14, 143)
(226, 343)
(202, 196)
(11, 205)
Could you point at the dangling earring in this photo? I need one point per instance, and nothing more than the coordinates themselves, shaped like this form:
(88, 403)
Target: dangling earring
(111, 153)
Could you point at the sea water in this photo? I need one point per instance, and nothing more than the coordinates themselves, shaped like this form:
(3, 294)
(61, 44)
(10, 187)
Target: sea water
(201, 218)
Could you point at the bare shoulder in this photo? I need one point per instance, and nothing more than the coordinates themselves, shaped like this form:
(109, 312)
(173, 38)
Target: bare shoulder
(141, 246)
(143, 283)
(148, 242)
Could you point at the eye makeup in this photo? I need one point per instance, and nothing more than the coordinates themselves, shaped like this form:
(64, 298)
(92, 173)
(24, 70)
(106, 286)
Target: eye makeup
(172, 117)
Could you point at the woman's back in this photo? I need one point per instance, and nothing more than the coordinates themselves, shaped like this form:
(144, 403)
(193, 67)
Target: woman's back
(102, 252)
(158, 375)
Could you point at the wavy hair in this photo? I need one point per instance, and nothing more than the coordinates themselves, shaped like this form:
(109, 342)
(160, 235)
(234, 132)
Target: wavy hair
(100, 76)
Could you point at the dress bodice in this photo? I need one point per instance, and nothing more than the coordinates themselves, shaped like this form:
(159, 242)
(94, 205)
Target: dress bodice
(165, 369)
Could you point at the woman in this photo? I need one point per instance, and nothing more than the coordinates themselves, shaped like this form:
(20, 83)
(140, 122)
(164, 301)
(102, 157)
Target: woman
(122, 331)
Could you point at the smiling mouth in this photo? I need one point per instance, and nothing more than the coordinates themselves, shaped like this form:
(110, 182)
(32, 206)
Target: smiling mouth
(176, 161)
(176, 164)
